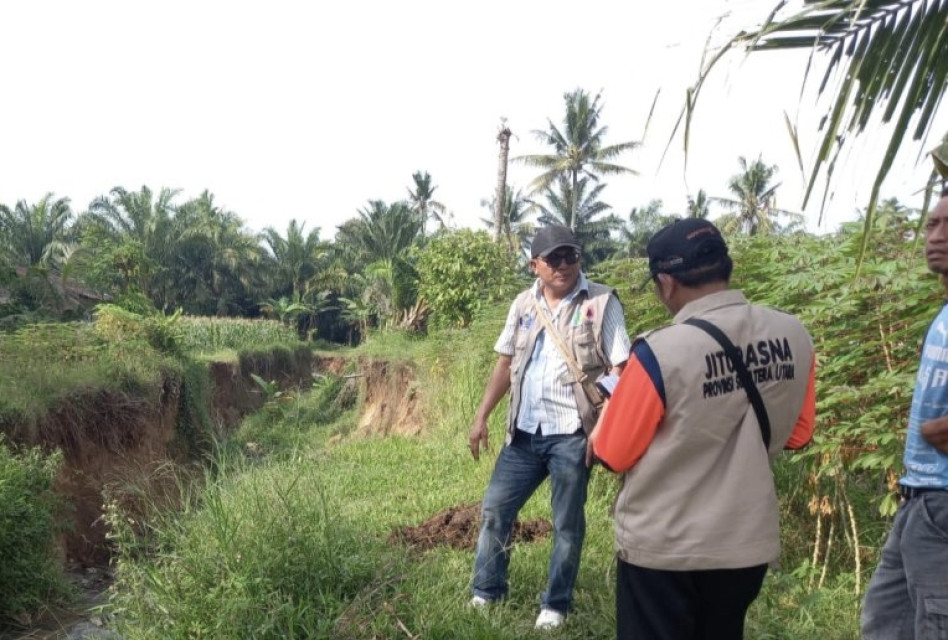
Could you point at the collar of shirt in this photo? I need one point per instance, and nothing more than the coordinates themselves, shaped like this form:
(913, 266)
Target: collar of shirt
(710, 302)
(581, 285)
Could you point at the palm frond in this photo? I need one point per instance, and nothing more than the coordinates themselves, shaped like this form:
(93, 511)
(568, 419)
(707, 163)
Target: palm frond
(890, 57)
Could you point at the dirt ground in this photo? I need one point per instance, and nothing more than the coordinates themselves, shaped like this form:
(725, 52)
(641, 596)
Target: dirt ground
(457, 527)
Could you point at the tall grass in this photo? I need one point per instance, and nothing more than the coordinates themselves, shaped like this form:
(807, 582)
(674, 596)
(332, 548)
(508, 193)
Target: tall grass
(329, 505)
(29, 573)
(264, 556)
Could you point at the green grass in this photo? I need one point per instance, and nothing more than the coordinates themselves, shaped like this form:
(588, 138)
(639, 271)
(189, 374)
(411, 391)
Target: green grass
(44, 363)
(293, 543)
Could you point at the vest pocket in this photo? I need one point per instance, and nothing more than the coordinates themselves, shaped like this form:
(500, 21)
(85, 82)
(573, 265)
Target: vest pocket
(933, 609)
(584, 348)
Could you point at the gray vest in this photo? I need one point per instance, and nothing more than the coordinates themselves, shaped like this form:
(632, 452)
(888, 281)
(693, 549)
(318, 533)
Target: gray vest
(584, 341)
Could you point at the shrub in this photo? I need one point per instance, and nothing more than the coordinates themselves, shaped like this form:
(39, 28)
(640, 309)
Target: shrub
(29, 573)
(462, 271)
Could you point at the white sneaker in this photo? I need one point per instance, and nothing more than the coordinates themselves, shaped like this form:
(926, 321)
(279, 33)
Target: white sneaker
(549, 619)
(478, 602)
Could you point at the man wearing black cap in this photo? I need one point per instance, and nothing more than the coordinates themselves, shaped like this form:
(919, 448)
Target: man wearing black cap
(702, 408)
(561, 335)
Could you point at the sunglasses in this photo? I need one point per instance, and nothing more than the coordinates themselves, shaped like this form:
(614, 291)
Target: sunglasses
(554, 260)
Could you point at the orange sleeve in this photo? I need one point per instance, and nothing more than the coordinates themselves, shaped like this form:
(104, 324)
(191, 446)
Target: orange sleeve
(628, 425)
(803, 430)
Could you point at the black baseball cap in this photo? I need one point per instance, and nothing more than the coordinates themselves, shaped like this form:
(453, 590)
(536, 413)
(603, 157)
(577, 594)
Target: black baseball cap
(684, 245)
(550, 238)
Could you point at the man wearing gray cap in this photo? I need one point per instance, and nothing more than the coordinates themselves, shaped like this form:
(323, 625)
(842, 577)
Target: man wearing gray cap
(561, 335)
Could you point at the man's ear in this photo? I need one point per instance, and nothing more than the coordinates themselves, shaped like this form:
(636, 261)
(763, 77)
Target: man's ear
(666, 285)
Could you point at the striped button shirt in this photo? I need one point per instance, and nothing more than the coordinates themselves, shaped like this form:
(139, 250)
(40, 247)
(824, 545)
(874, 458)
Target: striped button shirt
(547, 398)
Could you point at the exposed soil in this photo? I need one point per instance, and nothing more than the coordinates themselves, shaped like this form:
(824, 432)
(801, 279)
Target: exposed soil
(132, 444)
(457, 527)
(391, 403)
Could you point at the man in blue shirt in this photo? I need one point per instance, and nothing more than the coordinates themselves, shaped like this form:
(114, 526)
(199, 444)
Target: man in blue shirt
(907, 598)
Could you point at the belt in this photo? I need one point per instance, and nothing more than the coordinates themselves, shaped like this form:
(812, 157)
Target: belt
(907, 493)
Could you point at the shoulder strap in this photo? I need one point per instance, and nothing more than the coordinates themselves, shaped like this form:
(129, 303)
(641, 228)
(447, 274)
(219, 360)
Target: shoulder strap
(570, 362)
(732, 352)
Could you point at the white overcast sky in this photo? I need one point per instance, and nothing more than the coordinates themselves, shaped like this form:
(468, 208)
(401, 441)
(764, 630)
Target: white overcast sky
(289, 109)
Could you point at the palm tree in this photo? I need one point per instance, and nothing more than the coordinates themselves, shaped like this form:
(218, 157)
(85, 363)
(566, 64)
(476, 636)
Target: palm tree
(516, 230)
(570, 205)
(294, 260)
(753, 201)
(379, 241)
(134, 233)
(698, 206)
(642, 224)
(421, 200)
(500, 190)
(381, 231)
(579, 148)
(894, 57)
(36, 235)
(218, 257)
(283, 309)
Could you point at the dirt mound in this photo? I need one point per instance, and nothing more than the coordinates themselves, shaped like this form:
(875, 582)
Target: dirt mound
(458, 526)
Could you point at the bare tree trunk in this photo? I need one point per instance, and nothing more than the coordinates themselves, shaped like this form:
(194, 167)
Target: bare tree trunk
(503, 137)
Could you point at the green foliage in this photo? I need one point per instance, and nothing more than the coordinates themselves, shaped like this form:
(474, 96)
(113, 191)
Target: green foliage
(262, 555)
(194, 433)
(116, 324)
(134, 301)
(30, 574)
(44, 363)
(214, 570)
(460, 272)
(289, 417)
(210, 335)
(867, 323)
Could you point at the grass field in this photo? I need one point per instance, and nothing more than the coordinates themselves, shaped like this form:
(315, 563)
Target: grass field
(292, 541)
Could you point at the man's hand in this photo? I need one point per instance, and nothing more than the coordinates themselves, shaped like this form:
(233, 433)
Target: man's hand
(935, 433)
(478, 439)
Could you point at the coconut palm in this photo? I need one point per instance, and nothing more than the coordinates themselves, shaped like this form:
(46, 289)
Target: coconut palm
(516, 229)
(642, 224)
(500, 188)
(579, 149)
(754, 202)
(893, 55)
(698, 207)
(576, 206)
(421, 200)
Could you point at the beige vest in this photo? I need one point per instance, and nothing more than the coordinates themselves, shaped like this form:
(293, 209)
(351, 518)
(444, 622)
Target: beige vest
(702, 496)
(584, 341)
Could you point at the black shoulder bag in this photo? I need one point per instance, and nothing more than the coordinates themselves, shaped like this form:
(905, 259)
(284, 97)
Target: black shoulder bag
(737, 359)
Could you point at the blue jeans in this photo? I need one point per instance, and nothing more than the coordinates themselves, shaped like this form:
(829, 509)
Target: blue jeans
(907, 598)
(521, 467)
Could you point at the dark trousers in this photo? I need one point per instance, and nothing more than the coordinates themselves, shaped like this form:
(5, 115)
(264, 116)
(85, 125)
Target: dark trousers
(653, 604)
